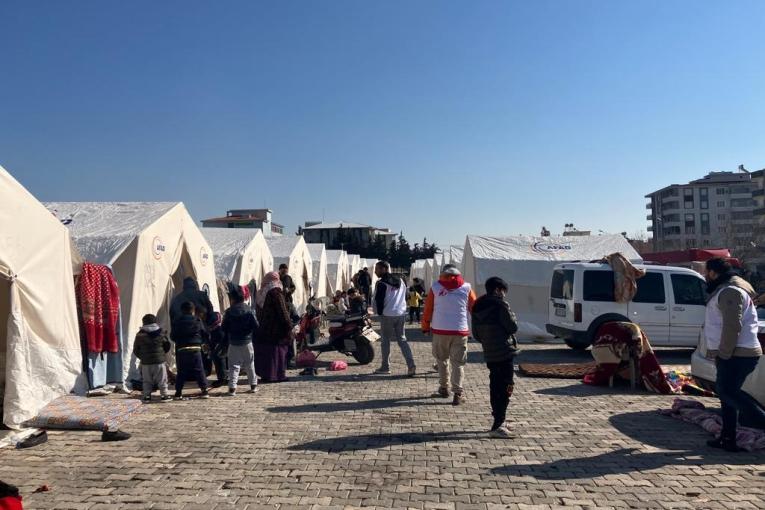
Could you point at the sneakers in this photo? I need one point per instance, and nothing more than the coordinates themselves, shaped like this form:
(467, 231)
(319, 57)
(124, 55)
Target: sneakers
(501, 433)
(253, 389)
(204, 394)
(442, 393)
(382, 371)
(179, 398)
(729, 445)
(411, 372)
(459, 399)
(116, 435)
(230, 393)
(146, 400)
(165, 398)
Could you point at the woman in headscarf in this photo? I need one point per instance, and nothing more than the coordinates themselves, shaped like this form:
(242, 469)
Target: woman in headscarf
(275, 334)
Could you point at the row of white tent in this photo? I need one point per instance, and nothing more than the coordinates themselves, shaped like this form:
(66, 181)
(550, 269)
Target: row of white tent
(150, 248)
(526, 263)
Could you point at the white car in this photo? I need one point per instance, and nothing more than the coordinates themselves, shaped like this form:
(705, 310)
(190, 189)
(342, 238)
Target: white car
(704, 370)
(669, 305)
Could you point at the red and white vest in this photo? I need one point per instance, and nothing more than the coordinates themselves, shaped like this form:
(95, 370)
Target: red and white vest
(450, 310)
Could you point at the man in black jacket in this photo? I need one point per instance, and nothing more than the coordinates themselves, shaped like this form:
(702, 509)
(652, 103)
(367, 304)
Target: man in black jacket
(189, 333)
(494, 325)
(199, 298)
(365, 284)
(287, 284)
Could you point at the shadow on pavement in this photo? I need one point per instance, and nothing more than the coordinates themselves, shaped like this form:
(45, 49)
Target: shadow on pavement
(685, 440)
(376, 441)
(581, 390)
(363, 405)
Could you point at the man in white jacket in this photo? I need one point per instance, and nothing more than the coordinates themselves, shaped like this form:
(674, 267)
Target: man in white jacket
(390, 305)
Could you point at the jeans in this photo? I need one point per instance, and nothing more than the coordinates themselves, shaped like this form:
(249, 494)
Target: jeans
(500, 389)
(392, 328)
(731, 374)
(450, 352)
(241, 357)
(190, 367)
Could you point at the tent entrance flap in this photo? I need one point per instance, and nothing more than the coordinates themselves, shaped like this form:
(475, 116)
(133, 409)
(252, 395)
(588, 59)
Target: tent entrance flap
(5, 310)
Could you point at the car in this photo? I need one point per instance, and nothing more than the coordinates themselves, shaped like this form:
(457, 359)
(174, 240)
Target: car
(669, 305)
(704, 371)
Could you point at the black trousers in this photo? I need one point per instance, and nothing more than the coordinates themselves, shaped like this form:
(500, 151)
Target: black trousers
(190, 368)
(731, 374)
(414, 311)
(500, 389)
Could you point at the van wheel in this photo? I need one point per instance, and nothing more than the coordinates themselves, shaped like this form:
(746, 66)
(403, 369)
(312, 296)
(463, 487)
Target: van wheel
(577, 345)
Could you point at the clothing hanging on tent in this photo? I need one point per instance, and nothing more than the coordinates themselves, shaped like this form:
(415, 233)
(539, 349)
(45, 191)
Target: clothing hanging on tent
(98, 300)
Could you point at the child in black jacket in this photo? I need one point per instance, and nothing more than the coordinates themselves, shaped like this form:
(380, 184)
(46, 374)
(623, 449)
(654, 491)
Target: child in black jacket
(189, 333)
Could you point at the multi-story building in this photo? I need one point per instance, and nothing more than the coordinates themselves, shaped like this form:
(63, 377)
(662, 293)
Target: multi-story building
(335, 234)
(246, 218)
(716, 211)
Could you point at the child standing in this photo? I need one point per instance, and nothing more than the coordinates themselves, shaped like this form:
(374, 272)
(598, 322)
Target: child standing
(189, 333)
(150, 346)
(414, 301)
(240, 328)
(356, 301)
(494, 325)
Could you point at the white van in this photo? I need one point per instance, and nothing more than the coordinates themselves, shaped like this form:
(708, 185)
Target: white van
(669, 305)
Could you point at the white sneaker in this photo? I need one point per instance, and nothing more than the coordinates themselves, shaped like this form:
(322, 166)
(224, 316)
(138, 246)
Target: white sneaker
(501, 433)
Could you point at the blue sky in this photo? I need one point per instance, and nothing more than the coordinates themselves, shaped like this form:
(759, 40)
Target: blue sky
(436, 118)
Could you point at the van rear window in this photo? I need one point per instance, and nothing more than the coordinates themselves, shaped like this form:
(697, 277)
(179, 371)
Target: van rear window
(598, 286)
(562, 286)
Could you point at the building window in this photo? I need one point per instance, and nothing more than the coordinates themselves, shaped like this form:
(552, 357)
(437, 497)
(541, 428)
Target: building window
(721, 191)
(738, 190)
(690, 224)
(721, 204)
(688, 198)
(720, 217)
(704, 224)
(741, 202)
(722, 230)
(705, 242)
(741, 215)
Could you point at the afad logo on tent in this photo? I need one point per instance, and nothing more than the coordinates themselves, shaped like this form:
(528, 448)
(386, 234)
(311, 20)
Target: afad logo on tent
(543, 247)
(157, 247)
(204, 255)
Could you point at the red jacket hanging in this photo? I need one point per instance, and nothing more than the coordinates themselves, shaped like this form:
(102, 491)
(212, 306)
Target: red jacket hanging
(98, 299)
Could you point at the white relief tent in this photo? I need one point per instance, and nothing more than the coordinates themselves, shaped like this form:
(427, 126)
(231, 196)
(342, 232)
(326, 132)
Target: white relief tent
(241, 254)
(354, 266)
(526, 263)
(150, 247)
(337, 270)
(455, 256)
(319, 265)
(40, 350)
(293, 251)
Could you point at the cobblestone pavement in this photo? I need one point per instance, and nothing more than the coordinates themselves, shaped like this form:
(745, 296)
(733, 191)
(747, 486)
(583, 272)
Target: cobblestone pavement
(356, 440)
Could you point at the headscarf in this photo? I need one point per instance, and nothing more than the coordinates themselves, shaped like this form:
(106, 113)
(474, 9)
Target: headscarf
(270, 282)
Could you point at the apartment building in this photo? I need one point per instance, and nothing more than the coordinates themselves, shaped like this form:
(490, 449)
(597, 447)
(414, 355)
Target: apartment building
(715, 211)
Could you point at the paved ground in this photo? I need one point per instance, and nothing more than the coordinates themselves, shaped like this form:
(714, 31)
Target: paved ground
(353, 440)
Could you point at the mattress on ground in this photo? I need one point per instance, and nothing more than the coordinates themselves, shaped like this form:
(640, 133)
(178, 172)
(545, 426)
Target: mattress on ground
(79, 413)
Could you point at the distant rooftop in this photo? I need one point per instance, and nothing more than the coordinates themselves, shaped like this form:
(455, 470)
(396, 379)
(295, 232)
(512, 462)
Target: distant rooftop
(311, 225)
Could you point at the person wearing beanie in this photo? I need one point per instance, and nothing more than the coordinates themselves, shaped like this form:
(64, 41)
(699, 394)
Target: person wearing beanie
(494, 325)
(730, 332)
(447, 306)
(240, 327)
(150, 347)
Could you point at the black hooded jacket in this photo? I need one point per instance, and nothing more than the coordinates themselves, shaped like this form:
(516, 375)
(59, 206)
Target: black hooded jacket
(494, 325)
(240, 325)
(191, 292)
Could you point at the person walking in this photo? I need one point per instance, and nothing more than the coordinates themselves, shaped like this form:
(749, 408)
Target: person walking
(240, 327)
(447, 306)
(494, 325)
(730, 331)
(365, 284)
(414, 301)
(150, 347)
(390, 305)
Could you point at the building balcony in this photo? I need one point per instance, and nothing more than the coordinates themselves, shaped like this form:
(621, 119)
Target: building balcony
(649, 217)
(758, 192)
(650, 228)
(649, 205)
(760, 211)
(669, 206)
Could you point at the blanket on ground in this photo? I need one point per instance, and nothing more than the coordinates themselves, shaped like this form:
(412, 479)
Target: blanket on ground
(80, 413)
(693, 411)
